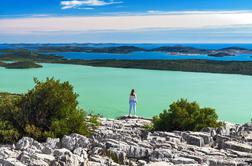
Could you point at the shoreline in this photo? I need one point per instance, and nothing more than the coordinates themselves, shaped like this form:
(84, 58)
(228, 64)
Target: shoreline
(197, 66)
(92, 63)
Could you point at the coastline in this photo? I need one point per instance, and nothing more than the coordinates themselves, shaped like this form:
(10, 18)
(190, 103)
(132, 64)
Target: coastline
(197, 66)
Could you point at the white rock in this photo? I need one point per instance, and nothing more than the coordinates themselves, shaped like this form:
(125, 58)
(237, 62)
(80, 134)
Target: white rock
(6, 152)
(66, 158)
(237, 146)
(29, 143)
(182, 160)
(74, 141)
(11, 162)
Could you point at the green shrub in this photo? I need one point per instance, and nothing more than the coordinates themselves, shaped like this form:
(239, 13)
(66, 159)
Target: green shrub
(183, 115)
(50, 109)
(149, 127)
(8, 133)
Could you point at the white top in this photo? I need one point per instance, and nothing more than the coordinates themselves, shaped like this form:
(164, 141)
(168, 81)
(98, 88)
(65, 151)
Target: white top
(133, 98)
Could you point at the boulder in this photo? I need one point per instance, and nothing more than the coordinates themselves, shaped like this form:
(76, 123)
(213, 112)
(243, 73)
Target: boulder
(101, 161)
(142, 163)
(226, 128)
(6, 152)
(247, 127)
(27, 143)
(237, 146)
(206, 137)
(199, 159)
(241, 154)
(97, 151)
(160, 164)
(221, 162)
(74, 141)
(35, 159)
(82, 154)
(161, 155)
(50, 145)
(117, 155)
(220, 140)
(53, 143)
(110, 143)
(11, 162)
(138, 152)
(182, 160)
(66, 158)
(193, 140)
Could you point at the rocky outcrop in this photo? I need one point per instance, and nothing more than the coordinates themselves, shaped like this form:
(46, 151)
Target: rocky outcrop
(127, 142)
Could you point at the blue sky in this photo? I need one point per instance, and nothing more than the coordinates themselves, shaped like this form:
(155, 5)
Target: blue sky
(126, 21)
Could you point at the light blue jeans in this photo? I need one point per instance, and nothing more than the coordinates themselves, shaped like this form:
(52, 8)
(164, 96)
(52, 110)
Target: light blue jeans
(132, 105)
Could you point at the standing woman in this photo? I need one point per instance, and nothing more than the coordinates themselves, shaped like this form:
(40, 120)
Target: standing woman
(132, 102)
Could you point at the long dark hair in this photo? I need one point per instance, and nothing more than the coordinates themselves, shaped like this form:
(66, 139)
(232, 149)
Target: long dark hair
(132, 93)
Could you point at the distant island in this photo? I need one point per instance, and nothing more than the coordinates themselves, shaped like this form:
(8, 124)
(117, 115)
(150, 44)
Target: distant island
(112, 50)
(173, 50)
(26, 58)
(20, 65)
(220, 54)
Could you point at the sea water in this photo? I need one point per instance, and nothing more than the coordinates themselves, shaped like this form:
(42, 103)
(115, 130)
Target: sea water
(106, 90)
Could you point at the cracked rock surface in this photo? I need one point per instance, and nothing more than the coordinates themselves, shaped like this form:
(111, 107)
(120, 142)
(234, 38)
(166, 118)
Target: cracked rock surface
(127, 142)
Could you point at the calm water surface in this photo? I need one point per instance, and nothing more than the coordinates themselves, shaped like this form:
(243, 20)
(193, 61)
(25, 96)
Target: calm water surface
(106, 90)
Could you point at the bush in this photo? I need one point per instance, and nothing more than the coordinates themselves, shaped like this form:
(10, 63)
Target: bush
(184, 116)
(8, 133)
(8, 118)
(50, 109)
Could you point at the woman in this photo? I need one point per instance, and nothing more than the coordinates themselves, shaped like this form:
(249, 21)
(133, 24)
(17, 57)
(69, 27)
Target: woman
(132, 102)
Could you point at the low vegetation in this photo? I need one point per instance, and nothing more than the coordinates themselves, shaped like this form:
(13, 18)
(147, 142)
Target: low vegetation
(21, 65)
(50, 109)
(184, 116)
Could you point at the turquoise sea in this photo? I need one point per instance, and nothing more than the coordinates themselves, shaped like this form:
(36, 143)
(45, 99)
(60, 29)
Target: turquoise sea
(105, 90)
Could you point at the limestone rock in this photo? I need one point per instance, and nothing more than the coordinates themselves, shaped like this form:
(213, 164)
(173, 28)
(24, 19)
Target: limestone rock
(161, 155)
(193, 140)
(6, 152)
(11, 162)
(126, 142)
(66, 158)
(138, 152)
(182, 160)
(117, 155)
(74, 141)
(237, 146)
(29, 143)
(35, 159)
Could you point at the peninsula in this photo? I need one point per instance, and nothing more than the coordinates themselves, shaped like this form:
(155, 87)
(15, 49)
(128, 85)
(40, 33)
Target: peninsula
(20, 65)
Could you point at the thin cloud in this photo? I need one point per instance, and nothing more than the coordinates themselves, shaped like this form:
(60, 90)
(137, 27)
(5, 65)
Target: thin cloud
(81, 4)
(160, 12)
(122, 23)
(86, 8)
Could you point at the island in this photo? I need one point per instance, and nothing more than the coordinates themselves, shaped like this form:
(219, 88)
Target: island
(177, 50)
(20, 65)
(113, 50)
(220, 54)
(173, 50)
(209, 66)
(238, 50)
